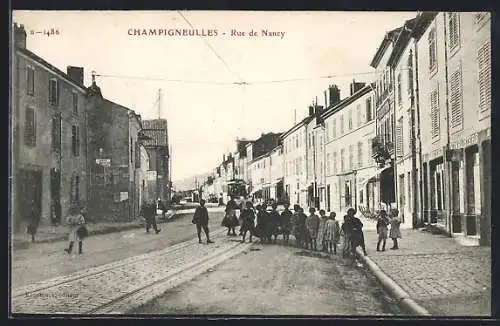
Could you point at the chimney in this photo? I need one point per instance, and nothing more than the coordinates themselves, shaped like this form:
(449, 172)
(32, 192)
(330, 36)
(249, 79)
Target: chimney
(318, 109)
(355, 86)
(311, 110)
(223, 158)
(334, 95)
(19, 36)
(326, 98)
(75, 73)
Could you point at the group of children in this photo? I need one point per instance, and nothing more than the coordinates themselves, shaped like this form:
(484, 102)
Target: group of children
(314, 232)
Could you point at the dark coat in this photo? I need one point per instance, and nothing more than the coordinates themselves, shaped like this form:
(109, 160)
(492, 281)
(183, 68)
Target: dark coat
(200, 216)
(148, 211)
(286, 221)
(248, 220)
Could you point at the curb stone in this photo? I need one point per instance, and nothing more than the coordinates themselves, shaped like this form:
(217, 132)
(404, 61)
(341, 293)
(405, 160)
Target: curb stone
(401, 296)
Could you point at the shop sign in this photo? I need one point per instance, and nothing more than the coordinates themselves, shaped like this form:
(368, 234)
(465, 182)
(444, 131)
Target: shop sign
(465, 142)
(106, 162)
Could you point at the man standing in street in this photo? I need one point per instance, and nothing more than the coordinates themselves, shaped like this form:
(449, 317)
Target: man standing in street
(200, 218)
(148, 211)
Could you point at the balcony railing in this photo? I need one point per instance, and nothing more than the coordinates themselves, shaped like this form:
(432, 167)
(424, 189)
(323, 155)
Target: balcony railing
(381, 148)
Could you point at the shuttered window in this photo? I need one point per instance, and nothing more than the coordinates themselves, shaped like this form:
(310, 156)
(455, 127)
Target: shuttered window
(75, 140)
(484, 62)
(358, 114)
(342, 156)
(369, 109)
(432, 49)
(56, 133)
(453, 30)
(456, 99)
(53, 92)
(360, 155)
(399, 137)
(369, 151)
(30, 80)
(328, 167)
(400, 97)
(334, 162)
(435, 113)
(334, 128)
(341, 125)
(350, 120)
(351, 163)
(30, 128)
(410, 72)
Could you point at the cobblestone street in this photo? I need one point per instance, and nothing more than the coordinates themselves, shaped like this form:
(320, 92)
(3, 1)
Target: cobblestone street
(441, 275)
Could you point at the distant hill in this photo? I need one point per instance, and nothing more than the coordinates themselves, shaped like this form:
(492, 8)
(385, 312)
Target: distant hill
(189, 183)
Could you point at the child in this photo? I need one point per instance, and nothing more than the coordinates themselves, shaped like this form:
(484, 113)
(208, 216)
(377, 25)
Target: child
(75, 221)
(382, 223)
(248, 221)
(312, 224)
(395, 232)
(332, 233)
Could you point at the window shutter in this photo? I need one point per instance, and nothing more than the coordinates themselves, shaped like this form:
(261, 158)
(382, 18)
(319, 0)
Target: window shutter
(399, 138)
(484, 61)
(456, 99)
(453, 29)
(435, 113)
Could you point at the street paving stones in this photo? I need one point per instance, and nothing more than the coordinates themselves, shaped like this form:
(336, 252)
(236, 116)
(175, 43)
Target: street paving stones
(89, 290)
(434, 270)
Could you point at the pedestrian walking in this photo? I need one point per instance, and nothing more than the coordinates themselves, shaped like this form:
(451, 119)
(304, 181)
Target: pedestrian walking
(303, 231)
(322, 229)
(272, 226)
(382, 230)
(286, 223)
(312, 224)
(200, 218)
(332, 233)
(295, 222)
(262, 220)
(230, 221)
(33, 222)
(148, 212)
(395, 232)
(78, 230)
(248, 221)
(346, 237)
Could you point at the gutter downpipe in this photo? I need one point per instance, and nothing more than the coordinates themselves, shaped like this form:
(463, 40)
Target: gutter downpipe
(447, 163)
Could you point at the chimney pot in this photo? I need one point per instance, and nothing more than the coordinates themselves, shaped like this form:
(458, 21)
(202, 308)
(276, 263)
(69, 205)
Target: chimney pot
(19, 36)
(334, 94)
(75, 73)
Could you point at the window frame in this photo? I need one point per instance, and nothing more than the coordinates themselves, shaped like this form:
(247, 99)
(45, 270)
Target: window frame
(30, 87)
(54, 101)
(74, 102)
(453, 48)
(30, 139)
(432, 44)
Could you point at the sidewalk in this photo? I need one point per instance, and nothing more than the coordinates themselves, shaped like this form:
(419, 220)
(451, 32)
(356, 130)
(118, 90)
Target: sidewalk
(59, 233)
(439, 274)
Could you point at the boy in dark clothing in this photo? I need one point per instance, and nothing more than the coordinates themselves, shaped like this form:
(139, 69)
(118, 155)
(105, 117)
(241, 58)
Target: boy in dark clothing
(356, 229)
(286, 223)
(200, 218)
(273, 223)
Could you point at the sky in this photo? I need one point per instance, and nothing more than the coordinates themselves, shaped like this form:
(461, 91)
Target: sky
(196, 75)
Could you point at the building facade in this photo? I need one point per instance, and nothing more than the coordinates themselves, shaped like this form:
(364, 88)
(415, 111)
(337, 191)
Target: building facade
(454, 54)
(114, 158)
(48, 121)
(157, 145)
(350, 172)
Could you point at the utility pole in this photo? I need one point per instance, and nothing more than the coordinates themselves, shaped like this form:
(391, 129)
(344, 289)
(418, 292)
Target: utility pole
(159, 103)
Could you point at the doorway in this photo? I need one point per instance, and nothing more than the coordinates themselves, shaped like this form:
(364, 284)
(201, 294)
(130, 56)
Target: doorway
(328, 198)
(29, 197)
(55, 195)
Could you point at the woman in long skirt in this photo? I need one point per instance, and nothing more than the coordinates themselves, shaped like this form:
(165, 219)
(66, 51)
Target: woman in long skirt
(230, 221)
(322, 230)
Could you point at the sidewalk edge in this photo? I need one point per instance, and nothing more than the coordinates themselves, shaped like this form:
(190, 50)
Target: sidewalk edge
(403, 298)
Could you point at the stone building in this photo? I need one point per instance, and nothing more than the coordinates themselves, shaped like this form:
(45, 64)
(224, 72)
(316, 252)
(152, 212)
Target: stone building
(157, 146)
(48, 137)
(114, 158)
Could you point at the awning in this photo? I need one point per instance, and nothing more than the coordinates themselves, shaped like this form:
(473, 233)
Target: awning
(363, 181)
